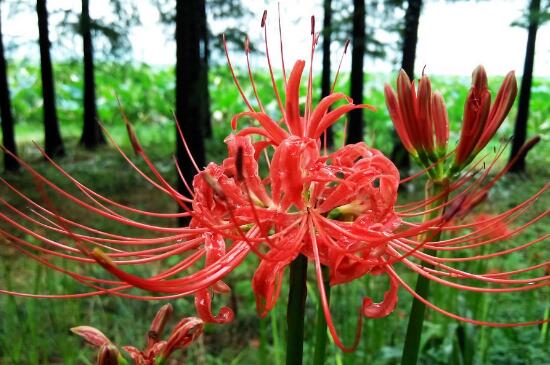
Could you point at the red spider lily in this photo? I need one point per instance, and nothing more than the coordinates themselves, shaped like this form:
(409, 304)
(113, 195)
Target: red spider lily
(420, 118)
(156, 351)
(421, 121)
(481, 119)
(338, 209)
(490, 226)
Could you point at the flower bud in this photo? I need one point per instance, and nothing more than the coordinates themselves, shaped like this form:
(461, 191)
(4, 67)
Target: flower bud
(136, 355)
(479, 78)
(441, 123)
(419, 117)
(108, 355)
(476, 112)
(500, 109)
(157, 326)
(183, 334)
(92, 335)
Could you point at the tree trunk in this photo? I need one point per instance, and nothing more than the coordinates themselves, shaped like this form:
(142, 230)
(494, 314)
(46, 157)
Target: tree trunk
(204, 79)
(410, 39)
(52, 137)
(520, 130)
(355, 127)
(189, 97)
(92, 136)
(325, 76)
(8, 138)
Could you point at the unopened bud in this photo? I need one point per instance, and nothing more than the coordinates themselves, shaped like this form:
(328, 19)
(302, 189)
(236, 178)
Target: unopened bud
(185, 332)
(108, 355)
(479, 78)
(157, 326)
(92, 335)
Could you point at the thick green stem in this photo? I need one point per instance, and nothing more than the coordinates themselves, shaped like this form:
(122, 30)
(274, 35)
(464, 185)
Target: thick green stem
(416, 319)
(296, 311)
(321, 325)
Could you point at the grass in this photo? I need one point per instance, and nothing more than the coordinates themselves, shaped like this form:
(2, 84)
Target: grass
(37, 331)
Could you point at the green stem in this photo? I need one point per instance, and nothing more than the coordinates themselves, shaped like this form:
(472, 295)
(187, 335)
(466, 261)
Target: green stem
(262, 351)
(277, 348)
(416, 319)
(321, 325)
(296, 311)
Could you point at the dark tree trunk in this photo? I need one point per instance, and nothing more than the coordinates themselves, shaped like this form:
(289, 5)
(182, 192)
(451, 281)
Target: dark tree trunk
(325, 77)
(189, 97)
(92, 136)
(204, 79)
(355, 127)
(8, 138)
(52, 137)
(410, 39)
(410, 36)
(520, 130)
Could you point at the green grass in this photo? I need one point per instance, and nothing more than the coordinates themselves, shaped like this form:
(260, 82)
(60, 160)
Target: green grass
(36, 331)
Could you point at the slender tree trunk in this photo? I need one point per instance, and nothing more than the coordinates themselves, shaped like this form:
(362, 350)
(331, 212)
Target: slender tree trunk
(189, 96)
(8, 138)
(325, 77)
(204, 79)
(410, 39)
(520, 130)
(52, 137)
(410, 36)
(92, 136)
(355, 127)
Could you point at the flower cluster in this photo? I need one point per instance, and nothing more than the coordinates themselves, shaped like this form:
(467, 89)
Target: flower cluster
(421, 121)
(157, 351)
(339, 209)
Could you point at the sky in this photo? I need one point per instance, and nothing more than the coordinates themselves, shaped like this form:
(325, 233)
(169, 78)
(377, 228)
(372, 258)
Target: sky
(453, 37)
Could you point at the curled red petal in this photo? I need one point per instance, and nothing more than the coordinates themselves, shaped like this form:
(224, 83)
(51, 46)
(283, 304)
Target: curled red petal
(203, 305)
(386, 306)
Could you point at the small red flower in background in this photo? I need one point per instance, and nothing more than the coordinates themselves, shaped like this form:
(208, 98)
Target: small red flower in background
(338, 209)
(490, 226)
(157, 351)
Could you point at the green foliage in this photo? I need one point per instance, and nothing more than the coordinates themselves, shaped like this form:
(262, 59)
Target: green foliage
(147, 95)
(36, 331)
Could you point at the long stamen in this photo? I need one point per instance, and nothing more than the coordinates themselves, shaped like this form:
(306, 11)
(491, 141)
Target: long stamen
(314, 39)
(339, 66)
(324, 301)
(183, 179)
(250, 76)
(237, 84)
(455, 316)
(185, 145)
(281, 42)
(273, 83)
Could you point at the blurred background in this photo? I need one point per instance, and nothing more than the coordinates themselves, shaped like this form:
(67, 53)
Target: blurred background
(64, 63)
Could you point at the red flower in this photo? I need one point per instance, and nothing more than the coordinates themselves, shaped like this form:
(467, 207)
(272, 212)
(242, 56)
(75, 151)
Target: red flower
(338, 209)
(157, 350)
(420, 118)
(481, 119)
